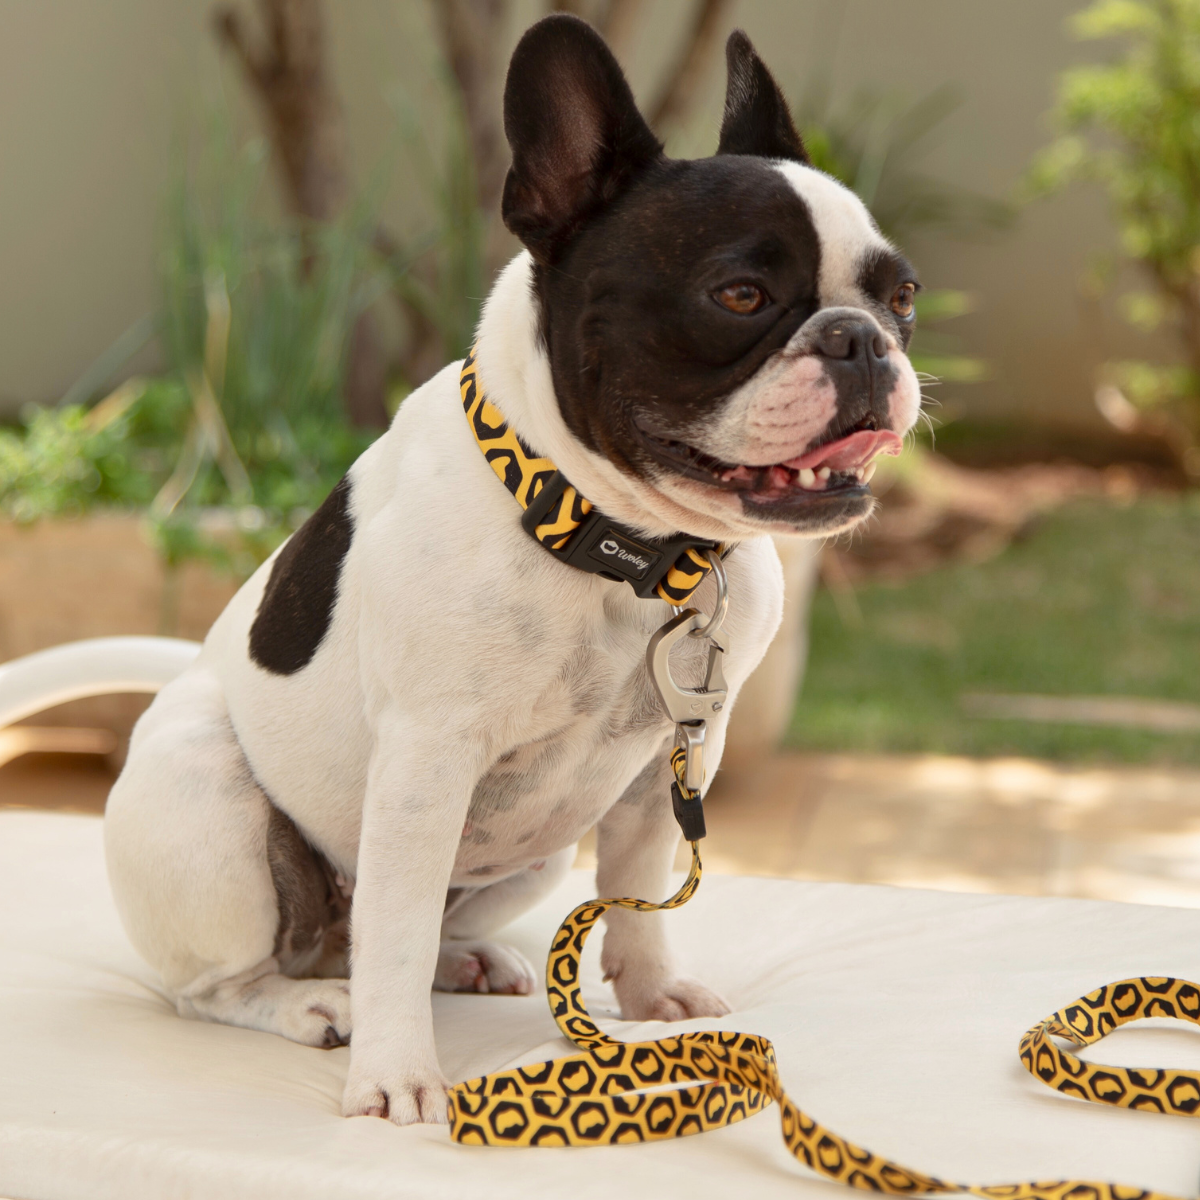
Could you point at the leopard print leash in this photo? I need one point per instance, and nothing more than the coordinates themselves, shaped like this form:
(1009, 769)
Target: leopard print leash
(616, 1092)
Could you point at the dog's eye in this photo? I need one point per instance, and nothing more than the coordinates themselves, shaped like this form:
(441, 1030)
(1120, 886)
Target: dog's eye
(741, 298)
(902, 300)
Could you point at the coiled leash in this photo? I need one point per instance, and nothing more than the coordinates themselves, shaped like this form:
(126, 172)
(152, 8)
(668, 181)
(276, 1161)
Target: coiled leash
(617, 1092)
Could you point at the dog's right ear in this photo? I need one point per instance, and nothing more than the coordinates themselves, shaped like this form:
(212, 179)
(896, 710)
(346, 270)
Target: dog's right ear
(757, 120)
(576, 134)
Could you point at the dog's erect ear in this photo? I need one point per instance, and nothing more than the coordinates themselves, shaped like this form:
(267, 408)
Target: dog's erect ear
(576, 134)
(756, 118)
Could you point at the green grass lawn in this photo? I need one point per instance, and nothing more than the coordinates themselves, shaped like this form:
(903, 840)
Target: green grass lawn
(1098, 600)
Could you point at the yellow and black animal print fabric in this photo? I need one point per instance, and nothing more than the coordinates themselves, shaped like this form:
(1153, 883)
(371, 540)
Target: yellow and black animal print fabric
(616, 1092)
(525, 473)
(1096, 1015)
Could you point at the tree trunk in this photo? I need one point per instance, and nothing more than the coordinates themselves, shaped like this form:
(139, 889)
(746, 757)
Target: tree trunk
(472, 36)
(289, 77)
(682, 86)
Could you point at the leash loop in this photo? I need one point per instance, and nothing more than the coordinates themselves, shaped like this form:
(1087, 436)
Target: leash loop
(722, 605)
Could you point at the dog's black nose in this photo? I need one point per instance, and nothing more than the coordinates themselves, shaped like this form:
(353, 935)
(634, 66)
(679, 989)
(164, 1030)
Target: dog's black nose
(852, 338)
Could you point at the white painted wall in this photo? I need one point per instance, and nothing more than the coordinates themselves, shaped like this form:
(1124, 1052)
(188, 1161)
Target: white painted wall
(90, 94)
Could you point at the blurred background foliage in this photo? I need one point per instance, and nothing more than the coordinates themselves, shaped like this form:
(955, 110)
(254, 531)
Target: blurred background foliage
(276, 274)
(255, 318)
(260, 306)
(1133, 126)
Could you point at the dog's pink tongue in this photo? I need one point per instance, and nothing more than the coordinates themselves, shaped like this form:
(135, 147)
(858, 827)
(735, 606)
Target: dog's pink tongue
(850, 453)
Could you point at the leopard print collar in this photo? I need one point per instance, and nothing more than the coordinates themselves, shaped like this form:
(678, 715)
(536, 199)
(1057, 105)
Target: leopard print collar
(567, 524)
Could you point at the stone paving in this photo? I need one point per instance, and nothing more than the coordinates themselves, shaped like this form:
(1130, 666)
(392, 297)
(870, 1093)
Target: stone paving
(958, 824)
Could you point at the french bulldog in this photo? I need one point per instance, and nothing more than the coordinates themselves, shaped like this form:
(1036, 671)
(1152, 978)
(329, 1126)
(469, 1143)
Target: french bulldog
(403, 722)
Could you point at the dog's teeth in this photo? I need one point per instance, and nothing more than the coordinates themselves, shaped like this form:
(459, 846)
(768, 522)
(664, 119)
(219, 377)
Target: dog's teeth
(824, 473)
(867, 472)
(807, 477)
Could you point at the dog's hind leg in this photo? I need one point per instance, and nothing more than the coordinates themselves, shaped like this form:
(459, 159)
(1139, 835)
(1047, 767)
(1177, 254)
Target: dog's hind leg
(467, 961)
(313, 1012)
(208, 878)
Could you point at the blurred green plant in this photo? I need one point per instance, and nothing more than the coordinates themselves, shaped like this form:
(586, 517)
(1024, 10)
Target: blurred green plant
(441, 277)
(1133, 127)
(66, 461)
(255, 319)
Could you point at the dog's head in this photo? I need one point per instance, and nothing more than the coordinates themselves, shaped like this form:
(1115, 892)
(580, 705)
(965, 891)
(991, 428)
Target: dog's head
(729, 332)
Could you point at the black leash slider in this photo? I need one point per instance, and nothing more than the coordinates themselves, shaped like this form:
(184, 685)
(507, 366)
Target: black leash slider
(689, 812)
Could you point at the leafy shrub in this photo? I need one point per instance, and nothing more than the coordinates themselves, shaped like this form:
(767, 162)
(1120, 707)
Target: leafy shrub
(255, 319)
(66, 461)
(1133, 127)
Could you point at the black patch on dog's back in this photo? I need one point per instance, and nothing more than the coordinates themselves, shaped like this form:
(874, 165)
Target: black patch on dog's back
(297, 603)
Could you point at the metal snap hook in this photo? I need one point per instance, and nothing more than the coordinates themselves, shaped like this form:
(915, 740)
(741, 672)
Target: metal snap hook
(685, 704)
(690, 708)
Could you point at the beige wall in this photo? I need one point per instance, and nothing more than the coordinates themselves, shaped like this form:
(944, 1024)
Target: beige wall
(90, 94)
(1041, 337)
(93, 95)
(85, 99)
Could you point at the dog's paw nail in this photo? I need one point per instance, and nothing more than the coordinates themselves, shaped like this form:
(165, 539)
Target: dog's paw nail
(483, 967)
(406, 1098)
(675, 1000)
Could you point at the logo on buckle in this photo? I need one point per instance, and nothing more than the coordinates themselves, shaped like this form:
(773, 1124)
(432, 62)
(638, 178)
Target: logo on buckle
(623, 555)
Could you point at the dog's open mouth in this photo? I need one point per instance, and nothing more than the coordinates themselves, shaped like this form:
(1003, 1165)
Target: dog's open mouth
(843, 466)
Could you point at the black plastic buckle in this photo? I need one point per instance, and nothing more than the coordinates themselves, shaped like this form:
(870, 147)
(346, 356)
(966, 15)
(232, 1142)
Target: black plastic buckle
(607, 548)
(689, 813)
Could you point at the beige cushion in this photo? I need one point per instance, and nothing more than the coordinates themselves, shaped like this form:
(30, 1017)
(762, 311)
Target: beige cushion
(895, 1013)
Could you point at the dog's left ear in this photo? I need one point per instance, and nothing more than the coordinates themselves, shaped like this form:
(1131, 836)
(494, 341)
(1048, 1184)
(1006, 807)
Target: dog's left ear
(757, 120)
(576, 134)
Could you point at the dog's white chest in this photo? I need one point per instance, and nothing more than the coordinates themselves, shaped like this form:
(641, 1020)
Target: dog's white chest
(591, 730)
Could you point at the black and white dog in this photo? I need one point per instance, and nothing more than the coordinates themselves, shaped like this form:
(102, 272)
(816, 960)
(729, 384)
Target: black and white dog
(409, 715)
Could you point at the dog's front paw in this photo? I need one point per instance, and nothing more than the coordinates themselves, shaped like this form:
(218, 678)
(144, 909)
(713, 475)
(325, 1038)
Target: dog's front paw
(404, 1097)
(673, 999)
(483, 967)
